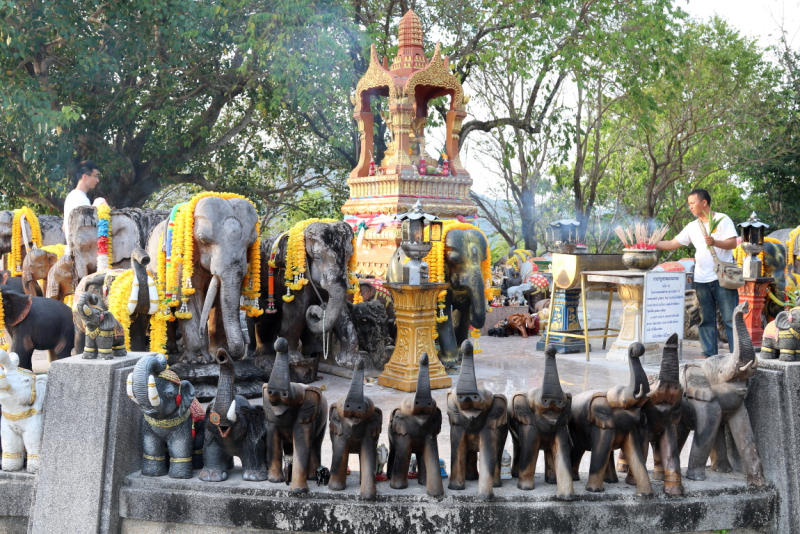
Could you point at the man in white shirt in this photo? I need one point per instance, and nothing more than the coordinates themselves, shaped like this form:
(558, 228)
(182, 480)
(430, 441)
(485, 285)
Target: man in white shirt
(85, 179)
(709, 293)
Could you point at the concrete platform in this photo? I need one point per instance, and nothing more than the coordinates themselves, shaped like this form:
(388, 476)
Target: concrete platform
(722, 502)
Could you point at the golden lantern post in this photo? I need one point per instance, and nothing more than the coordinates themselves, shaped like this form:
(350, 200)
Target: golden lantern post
(415, 303)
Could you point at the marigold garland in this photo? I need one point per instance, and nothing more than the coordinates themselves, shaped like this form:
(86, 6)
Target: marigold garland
(16, 237)
(295, 269)
(739, 254)
(3, 339)
(105, 254)
(57, 249)
(158, 321)
(118, 296)
(352, 279)
(790, 253)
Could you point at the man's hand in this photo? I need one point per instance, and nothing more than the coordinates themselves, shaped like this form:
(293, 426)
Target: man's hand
(710, 241)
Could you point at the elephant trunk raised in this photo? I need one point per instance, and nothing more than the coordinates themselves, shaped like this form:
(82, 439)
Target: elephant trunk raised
(742, 363)
(141, 376)
(140, 260)
(225, 402)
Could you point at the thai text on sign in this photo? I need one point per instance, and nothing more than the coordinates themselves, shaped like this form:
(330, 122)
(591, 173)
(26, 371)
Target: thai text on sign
(664, 294)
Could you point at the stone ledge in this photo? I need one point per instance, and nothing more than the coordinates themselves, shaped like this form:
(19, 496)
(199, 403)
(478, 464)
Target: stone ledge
(720, 502)
(16, 493)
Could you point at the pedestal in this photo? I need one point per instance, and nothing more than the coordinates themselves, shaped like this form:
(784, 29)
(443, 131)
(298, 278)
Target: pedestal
(755, 292)
(632, 297)
(564, 318)
(415, 307)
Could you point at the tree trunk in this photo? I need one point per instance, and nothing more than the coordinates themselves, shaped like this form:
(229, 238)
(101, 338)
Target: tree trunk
(528, 219)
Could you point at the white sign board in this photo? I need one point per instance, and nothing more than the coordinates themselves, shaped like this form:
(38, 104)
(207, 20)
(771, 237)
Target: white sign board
(663, 305)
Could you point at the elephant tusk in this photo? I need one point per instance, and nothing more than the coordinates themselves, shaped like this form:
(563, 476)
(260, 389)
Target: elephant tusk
(231, 415)
(130, 388)
(651, 393)
(746, 366)
(641, 392)
(133, 298)
(152, 392)
(153, 293)
(211, 296)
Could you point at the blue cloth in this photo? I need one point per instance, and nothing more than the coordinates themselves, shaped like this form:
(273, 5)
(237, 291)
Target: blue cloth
(711, 295)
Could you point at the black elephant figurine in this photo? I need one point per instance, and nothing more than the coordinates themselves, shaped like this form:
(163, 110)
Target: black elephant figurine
(413, 429)
(604, 421)
(782, 337)
(774, 265)
(715, 390)
(37, 323)
(171, 414)
(464, 251)
(318, 307)
(105, 337)
(478, 423)
(355, 424)
(233, 428)
(296, 420)
(662, 415)
(538, 420)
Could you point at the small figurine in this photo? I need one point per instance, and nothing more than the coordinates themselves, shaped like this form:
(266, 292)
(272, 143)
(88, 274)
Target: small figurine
(495, 303)
(412, 467)
(442, 470)
(445, 166)
(22, 394)
(323, 475)
(104, 334)
(505, 466)
(506, 302)
(287, 469)
(381, 458)
(415, 166)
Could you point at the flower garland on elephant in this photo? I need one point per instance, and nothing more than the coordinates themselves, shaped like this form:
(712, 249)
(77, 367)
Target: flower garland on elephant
(739, 254)
(118, 296)
(105, 253)
(790, 252)
(435, 261)
(16, 237)
(58, 249)
(4, 345)
(159, 320)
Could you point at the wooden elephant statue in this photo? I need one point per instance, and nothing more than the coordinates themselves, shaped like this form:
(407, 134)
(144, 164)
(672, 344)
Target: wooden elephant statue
(59, 279)
(413, 428)
(782, 337)
(604, 421)
(296, 419)
(715, 390)
(105, 337)
(36, 266)
(662, 413)
(478, 423)
(538, 420)
(355, 424)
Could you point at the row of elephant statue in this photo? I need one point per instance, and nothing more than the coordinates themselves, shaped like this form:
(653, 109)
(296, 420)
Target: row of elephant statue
(704, 396)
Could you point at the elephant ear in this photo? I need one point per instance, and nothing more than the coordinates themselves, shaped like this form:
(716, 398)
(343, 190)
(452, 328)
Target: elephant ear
(256, 423)
(308, 410)
(782, 321)
(498, 413)
(600, 412)
(436, 421)
(452, 409)
(375, 423)
(397, 422)
(521, 410)
(335, 422)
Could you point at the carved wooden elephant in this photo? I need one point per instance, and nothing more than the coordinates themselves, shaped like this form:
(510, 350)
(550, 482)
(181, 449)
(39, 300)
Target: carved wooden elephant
(355, 425)
(478, 423)
(782, 337)
(296, 419)
(413, 428)
(538, 420)
(604, 421)
(35, 267)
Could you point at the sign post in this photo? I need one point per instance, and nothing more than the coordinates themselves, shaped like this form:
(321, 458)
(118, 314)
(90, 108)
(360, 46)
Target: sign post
(664, 307)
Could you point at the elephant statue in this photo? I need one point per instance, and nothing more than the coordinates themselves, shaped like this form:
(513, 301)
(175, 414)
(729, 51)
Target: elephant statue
(105, 337)
(233, 428)
(50, 225)
(372, 289)
(355, 424)
(22, 397)
(413, 429)
(372, 326)
(464, 251)
(37, 323)
(662, 413)
(224, 230)
(604, 421)
(35, 267)
(782, 337)
(296, 419)
(774, 265)
(538, 419)
(316, 309)
(172, 416)
(478, 423)
(715, 389)
(59, 279)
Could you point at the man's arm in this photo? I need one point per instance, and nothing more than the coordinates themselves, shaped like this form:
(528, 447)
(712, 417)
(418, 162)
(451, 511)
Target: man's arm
(672, 244)
(724, 244)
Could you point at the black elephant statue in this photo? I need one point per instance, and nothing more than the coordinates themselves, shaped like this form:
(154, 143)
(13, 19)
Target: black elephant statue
(478, 423)
(318, 308)
(782, 337)
(715, 389)
(37, 323)
(233, 428)
(464, 252)
(774, 265)
(372, 326)
(172, 419)
(413, 429)
(604, 421)
(538, 420)
(105, 337)
(662, 415)
(355, 424)
(296, 419)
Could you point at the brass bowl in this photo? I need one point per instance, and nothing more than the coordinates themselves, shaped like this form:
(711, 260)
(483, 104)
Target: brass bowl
(639, 260)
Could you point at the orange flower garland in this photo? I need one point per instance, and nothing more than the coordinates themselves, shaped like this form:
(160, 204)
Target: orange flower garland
(352, 279)
(296, 257)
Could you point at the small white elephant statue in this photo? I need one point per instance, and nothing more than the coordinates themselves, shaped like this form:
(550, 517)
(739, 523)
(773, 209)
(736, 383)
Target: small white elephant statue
(381, 458)
(22, 399)
(516, 292)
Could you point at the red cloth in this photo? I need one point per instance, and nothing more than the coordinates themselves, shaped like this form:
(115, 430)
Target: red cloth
(672, 266)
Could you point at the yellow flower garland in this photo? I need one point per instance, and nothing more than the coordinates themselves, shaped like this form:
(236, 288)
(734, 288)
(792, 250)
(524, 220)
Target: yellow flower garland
(158, 321)
(352, 279)
(739, 254)
(118, 296)
(57, 249)
(16, 237)
(3, 339)
(295, 269)
(790, 255)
